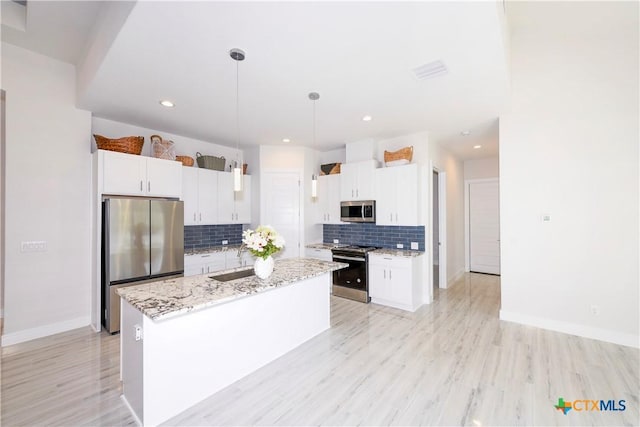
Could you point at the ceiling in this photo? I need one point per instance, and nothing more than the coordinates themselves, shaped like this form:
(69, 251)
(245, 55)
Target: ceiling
(358, 56)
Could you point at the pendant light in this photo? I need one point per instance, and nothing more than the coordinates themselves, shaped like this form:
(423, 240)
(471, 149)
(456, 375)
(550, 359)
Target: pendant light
(314, 96)
(237, 55)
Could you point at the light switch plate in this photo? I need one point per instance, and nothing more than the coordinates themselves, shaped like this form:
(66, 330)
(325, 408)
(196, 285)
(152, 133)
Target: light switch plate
(336, 240)
(225, 242)
(399, 246)
(414, 246)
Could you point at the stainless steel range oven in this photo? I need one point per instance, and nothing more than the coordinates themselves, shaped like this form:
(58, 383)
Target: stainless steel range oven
(351, 282)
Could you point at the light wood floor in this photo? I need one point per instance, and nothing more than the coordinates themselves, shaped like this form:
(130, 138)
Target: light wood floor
(450, 363)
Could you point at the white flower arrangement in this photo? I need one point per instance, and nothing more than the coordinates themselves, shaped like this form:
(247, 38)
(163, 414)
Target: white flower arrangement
(263, 241)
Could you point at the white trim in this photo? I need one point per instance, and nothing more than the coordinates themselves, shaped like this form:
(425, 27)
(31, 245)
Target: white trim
(44, 331)
(1, 314)
(455, 277)
(606, 335)
(467, 183)
(442, 228)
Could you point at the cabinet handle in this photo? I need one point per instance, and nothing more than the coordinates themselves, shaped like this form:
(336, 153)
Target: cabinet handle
(384, 272)
(200, 216)
(357, 193)
(396, 216)
(149, 186)
(140, 185)
(328, 217)
(391, 217)
(352, 192)
(389, 274)
(202, 270)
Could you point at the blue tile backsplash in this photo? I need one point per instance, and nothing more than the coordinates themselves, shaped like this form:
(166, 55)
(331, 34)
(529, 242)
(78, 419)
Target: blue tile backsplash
(384, 236)
(206, 236)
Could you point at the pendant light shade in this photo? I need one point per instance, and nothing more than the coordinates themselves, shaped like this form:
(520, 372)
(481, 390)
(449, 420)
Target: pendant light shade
(314, 96)
(314, 186)
(237, 55)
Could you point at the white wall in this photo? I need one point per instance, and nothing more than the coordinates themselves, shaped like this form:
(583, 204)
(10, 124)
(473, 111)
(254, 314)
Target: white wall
(569, 148)
(48, 197)
(184, 146)
(482, 168)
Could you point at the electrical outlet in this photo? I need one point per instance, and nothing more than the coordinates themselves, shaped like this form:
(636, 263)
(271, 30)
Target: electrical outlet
(225, 242)
(399, 246)
(35, 246)
(595, 310)
(415, 246)
(545, 217)
(336, 240)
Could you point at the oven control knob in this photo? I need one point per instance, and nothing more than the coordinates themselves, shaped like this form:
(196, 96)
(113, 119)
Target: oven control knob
(358, 280)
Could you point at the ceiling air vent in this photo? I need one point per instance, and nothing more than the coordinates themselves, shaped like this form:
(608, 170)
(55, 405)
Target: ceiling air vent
(430, 70)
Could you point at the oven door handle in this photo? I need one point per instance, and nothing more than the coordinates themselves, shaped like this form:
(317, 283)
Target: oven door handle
(348, 258)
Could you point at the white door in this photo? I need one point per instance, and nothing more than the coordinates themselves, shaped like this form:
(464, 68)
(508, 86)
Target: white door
(281, 209)
(484, 227)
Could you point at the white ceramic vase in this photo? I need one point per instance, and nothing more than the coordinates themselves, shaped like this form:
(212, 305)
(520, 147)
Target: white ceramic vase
(263, 267)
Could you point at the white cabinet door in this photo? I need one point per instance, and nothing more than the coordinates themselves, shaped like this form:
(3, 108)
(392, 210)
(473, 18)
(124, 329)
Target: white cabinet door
(123, 174)
(164, 178)
(397, 195)
(386, 196)
(243, 202)
(226, 204)
(190, 195)
(348, 181)
(193, 270)
(327, 204)
(401, 282)
(323, 254)
(207, 197)
(378, 283)
(357, 181)
(333, 199)
(365, 188)
(406, 191)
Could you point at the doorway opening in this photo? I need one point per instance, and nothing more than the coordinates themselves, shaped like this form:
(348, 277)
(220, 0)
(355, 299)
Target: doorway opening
(437, 232)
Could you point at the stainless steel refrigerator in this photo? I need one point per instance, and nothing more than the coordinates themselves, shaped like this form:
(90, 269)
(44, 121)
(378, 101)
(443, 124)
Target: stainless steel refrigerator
(142, 241)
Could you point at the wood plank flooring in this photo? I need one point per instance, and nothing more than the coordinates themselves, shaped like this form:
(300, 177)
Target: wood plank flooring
(450, 363)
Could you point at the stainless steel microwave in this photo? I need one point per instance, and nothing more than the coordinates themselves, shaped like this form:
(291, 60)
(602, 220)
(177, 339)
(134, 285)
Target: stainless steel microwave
(364, 211)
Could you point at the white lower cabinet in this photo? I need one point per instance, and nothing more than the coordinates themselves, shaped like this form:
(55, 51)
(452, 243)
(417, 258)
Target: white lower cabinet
(323, 254)
(395, 281)
(215, 261)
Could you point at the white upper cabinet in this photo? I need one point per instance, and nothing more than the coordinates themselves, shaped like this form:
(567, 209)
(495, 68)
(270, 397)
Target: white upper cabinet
(199, 193)
(397, 195)
(127, 174)
(233, 207)
(357, 180)
(327, 204)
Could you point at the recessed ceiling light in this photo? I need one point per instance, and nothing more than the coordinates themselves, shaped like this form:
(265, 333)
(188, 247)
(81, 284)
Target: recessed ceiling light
(286, 140)
(167, 103)
(366, 118)
(465, 133)
(477, 146)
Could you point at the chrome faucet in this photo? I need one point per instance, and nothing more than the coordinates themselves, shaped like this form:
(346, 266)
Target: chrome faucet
(240, 249)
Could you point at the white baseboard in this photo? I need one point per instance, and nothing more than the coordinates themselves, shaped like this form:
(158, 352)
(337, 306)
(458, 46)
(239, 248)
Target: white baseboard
(455, 277)
(44, 331)
(606, 335)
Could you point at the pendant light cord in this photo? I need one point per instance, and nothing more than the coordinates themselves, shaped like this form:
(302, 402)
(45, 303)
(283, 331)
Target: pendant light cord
(237, 111)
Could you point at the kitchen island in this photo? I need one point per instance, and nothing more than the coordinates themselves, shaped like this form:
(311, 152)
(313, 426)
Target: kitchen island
(184, 339)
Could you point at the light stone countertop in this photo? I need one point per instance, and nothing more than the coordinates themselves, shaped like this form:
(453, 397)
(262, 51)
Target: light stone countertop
(325, 245)
(212, 249)
(397, 252)
(168, 298)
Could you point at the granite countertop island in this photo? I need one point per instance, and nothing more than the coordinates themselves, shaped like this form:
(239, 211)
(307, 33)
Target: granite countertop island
(184, 339)
(173, 297)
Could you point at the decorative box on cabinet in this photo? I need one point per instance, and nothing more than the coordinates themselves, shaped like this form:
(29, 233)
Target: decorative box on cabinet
(132, 175)
(397, 195)
(395, 281)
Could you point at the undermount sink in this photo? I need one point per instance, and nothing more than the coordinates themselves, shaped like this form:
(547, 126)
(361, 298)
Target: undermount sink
(226, 277)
